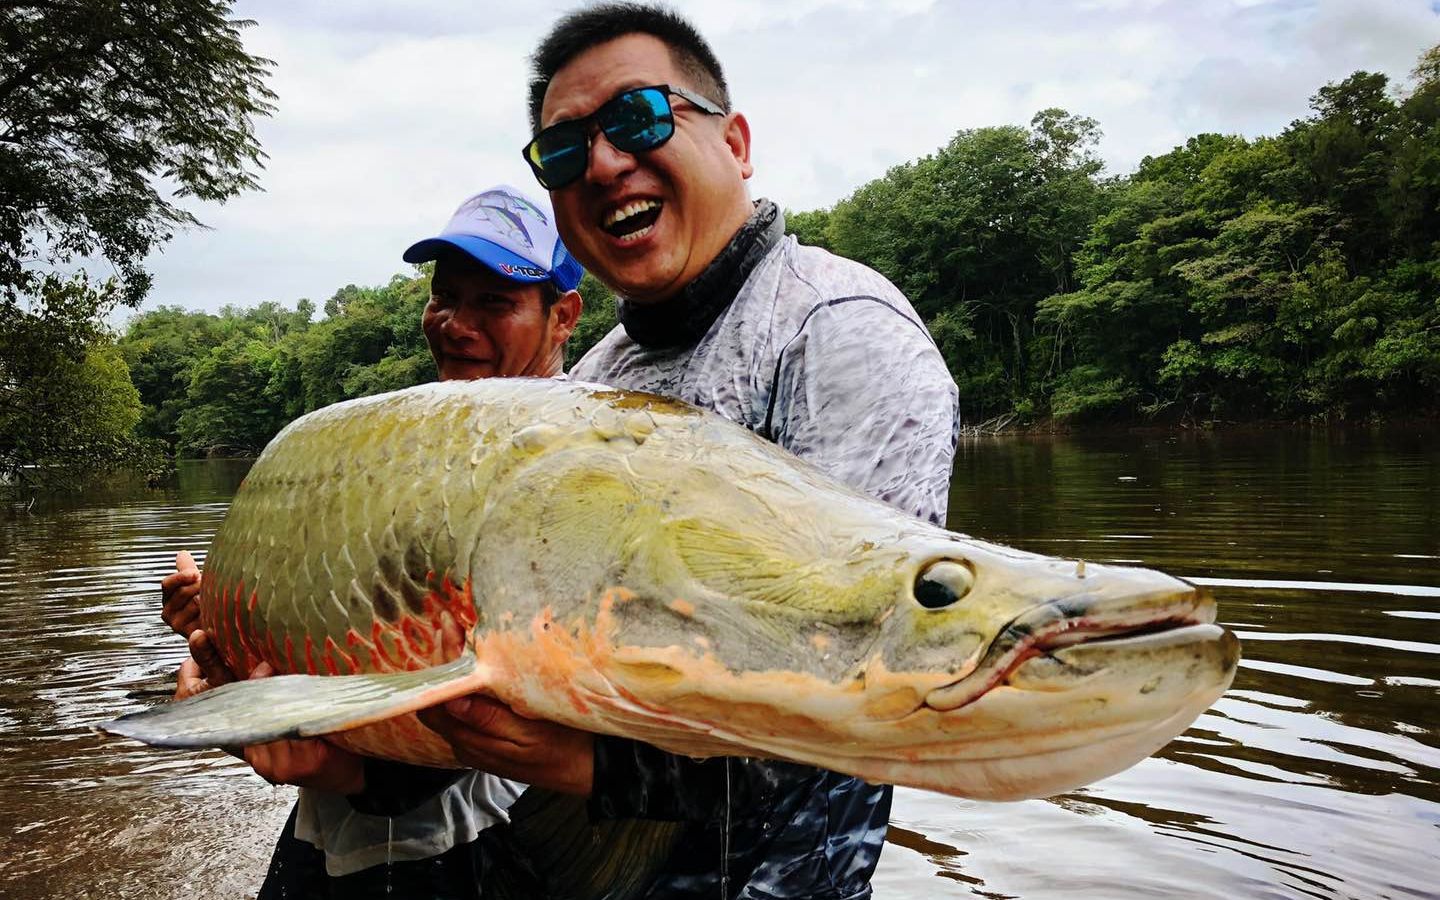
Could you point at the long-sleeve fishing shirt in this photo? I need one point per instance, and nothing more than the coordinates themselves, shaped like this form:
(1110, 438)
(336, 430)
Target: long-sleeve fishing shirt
(829, 360)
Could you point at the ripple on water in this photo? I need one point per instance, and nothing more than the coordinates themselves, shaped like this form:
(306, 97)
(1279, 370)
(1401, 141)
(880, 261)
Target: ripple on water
(1318, 775)
(89, 815)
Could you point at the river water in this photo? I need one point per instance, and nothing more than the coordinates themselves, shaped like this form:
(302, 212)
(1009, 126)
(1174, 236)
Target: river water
(1317, 775)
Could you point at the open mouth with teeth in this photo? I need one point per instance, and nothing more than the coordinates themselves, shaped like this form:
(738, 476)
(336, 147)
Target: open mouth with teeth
(632, 221)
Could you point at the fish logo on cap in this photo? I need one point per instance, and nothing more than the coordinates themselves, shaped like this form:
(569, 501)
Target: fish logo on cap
(503, 210)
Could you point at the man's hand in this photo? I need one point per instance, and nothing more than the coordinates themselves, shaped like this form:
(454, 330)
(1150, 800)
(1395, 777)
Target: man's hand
(306, 762)
(486, 734)
(180, 611)
(205, 669)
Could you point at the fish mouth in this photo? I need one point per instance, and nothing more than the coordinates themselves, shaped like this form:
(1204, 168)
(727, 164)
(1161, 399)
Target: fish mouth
(1064, 638)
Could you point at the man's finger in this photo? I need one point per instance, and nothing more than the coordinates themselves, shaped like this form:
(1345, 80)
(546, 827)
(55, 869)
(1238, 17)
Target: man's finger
(190, 680)
(186, 574)
(183, 620)
(207, 655)
(176, 580)
(452, 636)
(179, 592)
(480, 712)
(189, 620)
(470, 717)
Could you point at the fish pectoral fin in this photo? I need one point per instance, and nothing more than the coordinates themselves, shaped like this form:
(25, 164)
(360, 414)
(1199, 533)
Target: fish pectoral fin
(292, 706)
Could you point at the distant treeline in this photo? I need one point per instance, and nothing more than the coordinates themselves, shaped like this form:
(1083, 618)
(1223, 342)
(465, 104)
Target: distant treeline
(1289, 276)
(1293, 276)
(226, 383)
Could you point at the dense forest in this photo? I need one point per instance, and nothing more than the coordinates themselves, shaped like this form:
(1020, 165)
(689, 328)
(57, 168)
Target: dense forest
(227, 382)
(109, 114)
(1292, 277)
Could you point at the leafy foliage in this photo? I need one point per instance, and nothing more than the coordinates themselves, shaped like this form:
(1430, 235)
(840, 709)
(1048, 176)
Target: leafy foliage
(111, 111)
(66, 398)
(976, 235)
(1294, 275)
(104, 103)
(227, 383)
(1284, 276)
(597, 317)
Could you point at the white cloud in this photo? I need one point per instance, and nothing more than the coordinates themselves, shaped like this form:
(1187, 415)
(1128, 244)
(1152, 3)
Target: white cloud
(389, 114)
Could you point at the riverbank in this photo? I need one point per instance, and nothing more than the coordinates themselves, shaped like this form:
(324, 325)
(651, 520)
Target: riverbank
(1010, 424)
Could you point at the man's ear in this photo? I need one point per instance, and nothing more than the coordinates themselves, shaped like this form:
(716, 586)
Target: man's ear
(737, 138)
(565, 314)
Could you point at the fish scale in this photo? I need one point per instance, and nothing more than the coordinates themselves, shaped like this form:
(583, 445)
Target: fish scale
(628, 564)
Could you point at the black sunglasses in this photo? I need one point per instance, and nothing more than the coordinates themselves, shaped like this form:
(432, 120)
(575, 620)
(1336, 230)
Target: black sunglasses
(633, 121)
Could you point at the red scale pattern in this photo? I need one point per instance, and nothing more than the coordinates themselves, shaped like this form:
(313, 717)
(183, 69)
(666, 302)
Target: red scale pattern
(409, 643)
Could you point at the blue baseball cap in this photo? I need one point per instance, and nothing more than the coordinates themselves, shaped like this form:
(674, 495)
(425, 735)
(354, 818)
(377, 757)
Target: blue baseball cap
(508, 232)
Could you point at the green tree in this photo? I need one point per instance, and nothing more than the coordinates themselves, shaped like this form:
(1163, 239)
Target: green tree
(1412, 196)
(1283, 276)
(370, 341)
(105, 105)
(161, 347)
(598, 316)
(1343, 153)
(980, 232)
(230, 407)
(111, 112)
(66, 400)
(811, 227)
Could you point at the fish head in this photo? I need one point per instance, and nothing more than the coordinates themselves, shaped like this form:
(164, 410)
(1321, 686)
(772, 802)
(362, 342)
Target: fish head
(932, 659)
(974, 613)
(1035, 675)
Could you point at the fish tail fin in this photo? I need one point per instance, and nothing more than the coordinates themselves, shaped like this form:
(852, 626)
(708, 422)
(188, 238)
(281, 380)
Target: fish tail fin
(292, 706)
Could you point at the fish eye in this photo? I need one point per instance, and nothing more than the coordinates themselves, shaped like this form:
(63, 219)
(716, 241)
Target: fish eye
(943, 583)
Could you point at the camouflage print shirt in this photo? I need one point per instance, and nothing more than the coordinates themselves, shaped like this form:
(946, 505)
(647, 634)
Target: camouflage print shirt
(828, 359)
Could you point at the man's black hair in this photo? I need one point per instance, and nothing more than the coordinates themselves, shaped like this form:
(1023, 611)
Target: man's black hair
(604, 22)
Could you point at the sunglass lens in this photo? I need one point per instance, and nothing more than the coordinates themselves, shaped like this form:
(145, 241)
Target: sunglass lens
(559, 153)
(639, 120)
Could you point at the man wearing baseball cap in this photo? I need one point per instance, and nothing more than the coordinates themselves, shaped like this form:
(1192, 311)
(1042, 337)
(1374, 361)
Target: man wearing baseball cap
(503, 301)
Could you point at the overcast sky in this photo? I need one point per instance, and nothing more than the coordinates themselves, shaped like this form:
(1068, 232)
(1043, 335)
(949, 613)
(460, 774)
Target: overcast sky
(391, 113)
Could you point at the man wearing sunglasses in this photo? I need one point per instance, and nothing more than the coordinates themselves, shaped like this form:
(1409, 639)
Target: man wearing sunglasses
(646, 166)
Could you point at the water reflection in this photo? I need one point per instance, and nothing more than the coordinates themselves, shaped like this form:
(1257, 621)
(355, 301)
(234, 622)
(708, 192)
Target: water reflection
(85, 815)
(1318, 775)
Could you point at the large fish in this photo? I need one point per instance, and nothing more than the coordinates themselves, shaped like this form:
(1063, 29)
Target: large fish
(631, 565)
